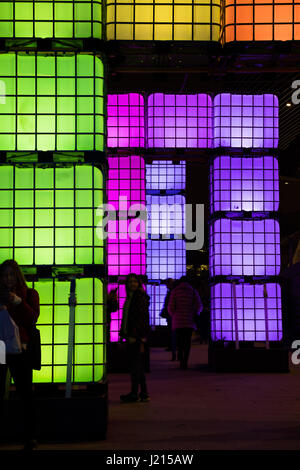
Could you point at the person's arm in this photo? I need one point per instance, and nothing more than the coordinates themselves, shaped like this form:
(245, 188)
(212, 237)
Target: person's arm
(172, 304)
(27, 312)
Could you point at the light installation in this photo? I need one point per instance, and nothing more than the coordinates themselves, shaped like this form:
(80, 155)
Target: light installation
(53, 323)
(53, 102)
(116, 317)
(165, 175)
(246, 121)
(262, 20)
(244, 247)
(179, 121)
(157, 295)
(69, 19)
(166, 214)
(166, 259)
(257, 316)
(244, 184)
(126, 243)
(163, 20)
(48, 214)
(125, 120)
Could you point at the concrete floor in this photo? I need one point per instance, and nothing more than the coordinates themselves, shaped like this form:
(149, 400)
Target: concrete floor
(198, 409)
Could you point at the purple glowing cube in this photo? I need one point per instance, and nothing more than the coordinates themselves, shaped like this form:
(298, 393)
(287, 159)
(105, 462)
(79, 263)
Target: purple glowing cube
(257, 318)
(179, 121)
(244, 247)
(246, 120)
(166, 258)
(125, 120)
(244, 184)
(116, 317)
(166, 214)
(157, 297)
(165, 174)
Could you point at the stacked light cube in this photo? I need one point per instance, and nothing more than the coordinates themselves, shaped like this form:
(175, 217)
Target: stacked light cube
(53, 102)
(244, 235)
(162, 20)
(166, 252)
(60, 19)
(266, 20)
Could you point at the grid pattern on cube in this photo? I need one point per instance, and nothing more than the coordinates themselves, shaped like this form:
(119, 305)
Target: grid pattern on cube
(166, 258)
(126, 179)
(53, 323)
(48, 215)
(166, 20)
(68, 19)
(157, 297)
(244, 247)
(53, 102)
(125, 120)
(264, 20)
(251, 312)
(244, 184)
(165, 175)
(116, 317)
(246, 120)
(166, 214)
(183, 121)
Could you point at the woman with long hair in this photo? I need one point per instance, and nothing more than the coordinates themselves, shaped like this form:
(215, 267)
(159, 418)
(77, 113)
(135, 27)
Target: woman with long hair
(23, 308)
(135, 329)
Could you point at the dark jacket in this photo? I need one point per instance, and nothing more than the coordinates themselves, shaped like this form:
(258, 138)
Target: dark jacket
(138, 316)
(26, 313)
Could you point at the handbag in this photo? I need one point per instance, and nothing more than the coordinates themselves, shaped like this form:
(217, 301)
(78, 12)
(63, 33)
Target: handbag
(34, 349)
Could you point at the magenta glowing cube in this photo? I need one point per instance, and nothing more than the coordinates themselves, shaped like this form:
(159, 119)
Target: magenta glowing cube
(246, 120)
(166, 258)
(125, 120)
(179, 121)
(165, 175)
(244, 184)
(116, 317)
(244, 247)
(125, 250)
(157, 298)
(166, 214)
(254, 314)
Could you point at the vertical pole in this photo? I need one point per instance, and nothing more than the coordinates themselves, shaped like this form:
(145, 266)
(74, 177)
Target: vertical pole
(266, 316)
(72, 304)
(237, 346)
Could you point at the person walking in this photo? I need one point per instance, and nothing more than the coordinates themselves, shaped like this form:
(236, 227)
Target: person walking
(22, 304)
(183, 306)
(135, 329)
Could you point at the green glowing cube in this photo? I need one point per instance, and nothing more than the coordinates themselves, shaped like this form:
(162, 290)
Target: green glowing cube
(51, 102)
(89, 339)
(48, 214)
(61, 19)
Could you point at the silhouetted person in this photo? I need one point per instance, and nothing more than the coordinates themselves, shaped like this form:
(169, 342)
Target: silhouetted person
(165, 314)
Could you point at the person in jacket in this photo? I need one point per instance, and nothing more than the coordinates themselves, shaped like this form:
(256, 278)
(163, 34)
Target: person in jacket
(135, 329)
(23, 308)
(183, 306)
(165, 314)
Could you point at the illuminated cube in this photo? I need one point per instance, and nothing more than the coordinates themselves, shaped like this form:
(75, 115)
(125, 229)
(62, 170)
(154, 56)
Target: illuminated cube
(125, 120)
(166, 259)
(165, 175)
(53, 102)
(246, 121)
(166, 214)
(179, 121)
(244, 184)
(53, 323)
(61, 19)
(163, 20)
(244, 247)
(157, 295)
(253, 309)
(116, 317)
(267, 20)
(48, 214)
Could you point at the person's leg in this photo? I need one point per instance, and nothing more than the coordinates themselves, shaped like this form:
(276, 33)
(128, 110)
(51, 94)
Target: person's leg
(179, 344)
(133, 367)
(187, 339)
(141, 371)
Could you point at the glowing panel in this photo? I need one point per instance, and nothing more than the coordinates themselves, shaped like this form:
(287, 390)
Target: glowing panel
(166, 214)
(246, 120)
(52, 102)
(157, 297)
(166, 258)
(165, 175)
(244, 184)
(253, 313)
(244, 247)
(116, 317)
(183, 121)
